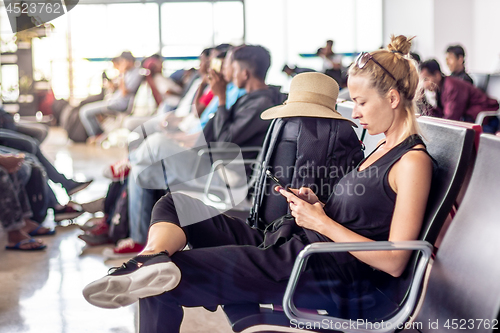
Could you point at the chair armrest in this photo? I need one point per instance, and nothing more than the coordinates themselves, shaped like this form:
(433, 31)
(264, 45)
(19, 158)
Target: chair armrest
(228, 150)
(204, 151)
(221, 163)
(389, 325)
(484, 114)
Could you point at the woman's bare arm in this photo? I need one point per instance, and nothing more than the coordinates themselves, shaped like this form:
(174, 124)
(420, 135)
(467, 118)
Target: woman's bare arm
(411, 179)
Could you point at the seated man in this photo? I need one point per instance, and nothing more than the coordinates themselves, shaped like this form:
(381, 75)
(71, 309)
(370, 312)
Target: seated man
(130, 80)
(455, 59)
(162, 88)
(455, 98)
(239, 124)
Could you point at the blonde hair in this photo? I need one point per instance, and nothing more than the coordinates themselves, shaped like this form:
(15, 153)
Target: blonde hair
(397, 60)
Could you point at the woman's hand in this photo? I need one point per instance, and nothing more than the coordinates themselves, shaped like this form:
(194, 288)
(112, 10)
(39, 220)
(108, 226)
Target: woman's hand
(304, 193)
(307, 215)
(12, 163)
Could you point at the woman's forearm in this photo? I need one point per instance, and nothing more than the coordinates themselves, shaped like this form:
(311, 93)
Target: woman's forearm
(391, 262)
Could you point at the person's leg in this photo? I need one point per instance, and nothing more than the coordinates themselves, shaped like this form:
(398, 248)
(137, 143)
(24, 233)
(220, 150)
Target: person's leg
(140, 206)
(158, 160)
(14, 211)
(213, 230)
(178, 219)
(11, 209)
(229, 275)
(69, 185)
(27, 144)
(88, 114)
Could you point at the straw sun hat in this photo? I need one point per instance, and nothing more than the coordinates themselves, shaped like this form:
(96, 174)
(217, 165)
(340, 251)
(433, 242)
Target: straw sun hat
(311, 95)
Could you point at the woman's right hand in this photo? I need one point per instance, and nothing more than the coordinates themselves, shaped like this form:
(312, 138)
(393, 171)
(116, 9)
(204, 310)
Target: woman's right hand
(304, 193)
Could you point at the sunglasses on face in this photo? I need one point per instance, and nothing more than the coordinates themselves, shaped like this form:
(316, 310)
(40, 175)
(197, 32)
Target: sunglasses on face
(363, 59)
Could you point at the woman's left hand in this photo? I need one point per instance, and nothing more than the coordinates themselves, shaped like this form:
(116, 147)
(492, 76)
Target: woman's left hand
(309, 216)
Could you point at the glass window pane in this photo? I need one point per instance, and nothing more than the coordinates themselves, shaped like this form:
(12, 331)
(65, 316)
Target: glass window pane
(369, 25)
(133, 27)
(113, 29)
(228, 22)
(187, 24)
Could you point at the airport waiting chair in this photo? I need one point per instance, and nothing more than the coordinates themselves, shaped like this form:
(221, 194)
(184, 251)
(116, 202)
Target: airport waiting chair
(493, 91)
(480, 80)
(463, 290)
(279, 155)
(451, 146)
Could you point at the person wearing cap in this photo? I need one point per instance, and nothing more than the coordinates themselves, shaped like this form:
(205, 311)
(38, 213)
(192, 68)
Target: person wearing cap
(232, 263)
(130, 80)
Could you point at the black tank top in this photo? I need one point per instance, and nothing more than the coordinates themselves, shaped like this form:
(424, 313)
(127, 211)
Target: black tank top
(363, 201)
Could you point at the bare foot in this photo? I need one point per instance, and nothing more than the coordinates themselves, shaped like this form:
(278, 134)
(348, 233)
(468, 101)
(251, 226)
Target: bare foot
(32, 225)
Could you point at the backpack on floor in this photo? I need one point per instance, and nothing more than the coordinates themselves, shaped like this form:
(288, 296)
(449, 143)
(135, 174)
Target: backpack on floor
(70, 119)
(116, 210)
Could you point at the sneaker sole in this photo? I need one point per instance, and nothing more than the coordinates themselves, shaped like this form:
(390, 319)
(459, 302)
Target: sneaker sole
(111, 292)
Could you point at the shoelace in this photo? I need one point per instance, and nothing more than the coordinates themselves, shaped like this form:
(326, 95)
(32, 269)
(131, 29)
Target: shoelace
(123, 266)
(132, 262)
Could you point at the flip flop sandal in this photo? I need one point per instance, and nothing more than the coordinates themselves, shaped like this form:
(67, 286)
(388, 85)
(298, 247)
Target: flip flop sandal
(24, 242)
(36, 233)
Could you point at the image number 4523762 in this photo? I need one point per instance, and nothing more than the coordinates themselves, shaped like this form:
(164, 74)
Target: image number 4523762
(26, 14)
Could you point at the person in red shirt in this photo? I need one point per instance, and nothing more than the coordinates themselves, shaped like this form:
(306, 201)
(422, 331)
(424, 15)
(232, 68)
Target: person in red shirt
(456, 99)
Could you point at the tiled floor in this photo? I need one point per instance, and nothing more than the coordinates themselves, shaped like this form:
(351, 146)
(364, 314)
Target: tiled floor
(41, 292)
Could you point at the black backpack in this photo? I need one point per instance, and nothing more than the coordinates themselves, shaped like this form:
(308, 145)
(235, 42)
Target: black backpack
(116, 210)
(70, 119)
(302, 151)
(36, 189)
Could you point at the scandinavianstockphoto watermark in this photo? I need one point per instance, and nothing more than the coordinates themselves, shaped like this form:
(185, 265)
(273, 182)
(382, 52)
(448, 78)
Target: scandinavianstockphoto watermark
(328, 324)
(323, 177)
(448, 324)
(28, 14)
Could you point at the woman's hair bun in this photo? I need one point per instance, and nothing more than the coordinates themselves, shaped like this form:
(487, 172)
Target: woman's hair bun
(400, 44)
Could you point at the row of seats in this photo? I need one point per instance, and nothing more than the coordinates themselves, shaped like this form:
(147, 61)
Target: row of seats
(458, 268)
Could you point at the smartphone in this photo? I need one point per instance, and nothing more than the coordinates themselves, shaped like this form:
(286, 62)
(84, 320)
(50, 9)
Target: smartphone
(216, 64)
(269, 174)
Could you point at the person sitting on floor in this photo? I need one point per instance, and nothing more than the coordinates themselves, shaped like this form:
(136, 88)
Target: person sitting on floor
(232, 263)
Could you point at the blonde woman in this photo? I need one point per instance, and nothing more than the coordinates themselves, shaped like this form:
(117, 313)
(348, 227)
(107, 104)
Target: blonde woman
(231, 263)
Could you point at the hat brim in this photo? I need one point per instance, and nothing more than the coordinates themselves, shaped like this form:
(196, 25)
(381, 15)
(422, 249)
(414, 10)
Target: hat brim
(300, 109)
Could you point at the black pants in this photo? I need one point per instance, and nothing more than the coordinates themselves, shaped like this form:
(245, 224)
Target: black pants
(224, 266)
